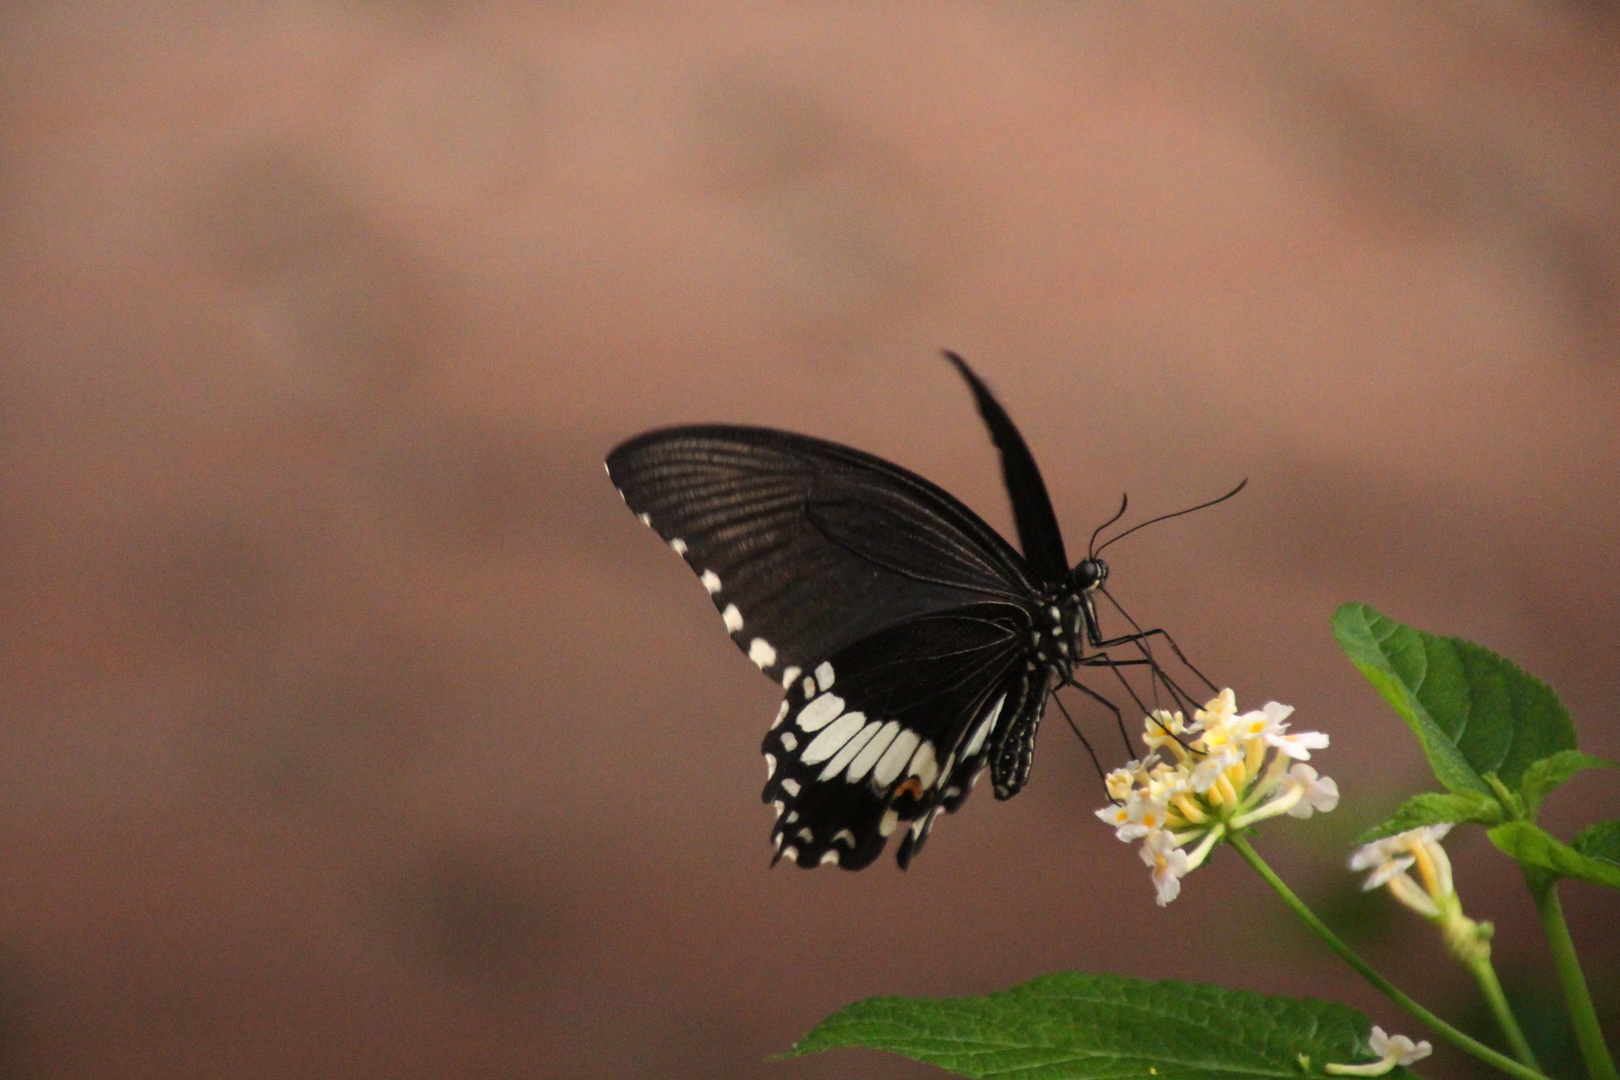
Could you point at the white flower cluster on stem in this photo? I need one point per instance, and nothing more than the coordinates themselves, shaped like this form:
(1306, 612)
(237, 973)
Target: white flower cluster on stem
(1209, 779)
(1391, 860)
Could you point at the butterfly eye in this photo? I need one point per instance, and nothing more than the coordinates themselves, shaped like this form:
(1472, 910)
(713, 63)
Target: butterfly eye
(1090, 574)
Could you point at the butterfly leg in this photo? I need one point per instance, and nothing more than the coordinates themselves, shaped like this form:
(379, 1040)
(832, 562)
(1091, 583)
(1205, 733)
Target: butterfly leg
(1140, 636)
(1083, 740)
(1183, 701)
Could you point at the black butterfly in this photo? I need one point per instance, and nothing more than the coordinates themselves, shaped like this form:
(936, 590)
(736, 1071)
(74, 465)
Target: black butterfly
(917, 647)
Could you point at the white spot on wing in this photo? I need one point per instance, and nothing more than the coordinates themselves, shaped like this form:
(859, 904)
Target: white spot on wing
(834, 736)
(770, 766)
(678, 546)
(791, 786)
(791, 854)
(809, 687)
(895, 757)
(781, 714)
(761, 652)
(851, 748)
(788, 676)
(982, 732)
(805, 834)
(844, 836)
(829, 856)
(824, 674)
(779, 806)
(645, 519)
(891, 818)
(790, 742)
(923, 766)
(711, 581)
(732, 618)
(872, 751)
(815, 716)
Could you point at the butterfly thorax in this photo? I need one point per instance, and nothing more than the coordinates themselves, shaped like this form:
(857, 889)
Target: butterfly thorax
(1067, 622)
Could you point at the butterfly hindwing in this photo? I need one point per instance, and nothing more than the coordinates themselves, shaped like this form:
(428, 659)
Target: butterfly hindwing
(892, 729)
(806, 546)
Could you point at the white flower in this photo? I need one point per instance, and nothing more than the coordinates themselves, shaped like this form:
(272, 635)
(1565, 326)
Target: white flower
(1208, 771)
(1223, 773)
(1392, 855)
(1118, 785)
(1165, 727)
(1436, 897)
(1169, 864)
(1219, 711)
(1392, 1050)
(1405, 1050)
(1115, 814)
(1139, 816)
(1120, 782)
(1266, 720)
(1298, 745)
(1319, 793)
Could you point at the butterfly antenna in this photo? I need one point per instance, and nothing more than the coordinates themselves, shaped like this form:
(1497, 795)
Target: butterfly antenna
(1166, 517)
(1124, 500)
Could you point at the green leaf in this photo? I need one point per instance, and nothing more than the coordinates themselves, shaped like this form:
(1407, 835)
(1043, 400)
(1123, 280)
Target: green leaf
(1600, 842)
(1472, 711)
(1529, 844)
(1434, 807)
(1076, 1026)
(1545, 775)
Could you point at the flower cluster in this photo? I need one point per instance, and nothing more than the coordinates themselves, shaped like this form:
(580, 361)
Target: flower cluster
(1435, 899)
(1208, 779)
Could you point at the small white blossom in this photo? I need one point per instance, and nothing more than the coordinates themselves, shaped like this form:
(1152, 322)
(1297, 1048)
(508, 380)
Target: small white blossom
(1209, 771)
(1393, 854)
(1217, 712)
(1392, 1050)
(1316, 792)
(1404, 1050)
(1298, 745)
(1169, 864)
(1267, 720)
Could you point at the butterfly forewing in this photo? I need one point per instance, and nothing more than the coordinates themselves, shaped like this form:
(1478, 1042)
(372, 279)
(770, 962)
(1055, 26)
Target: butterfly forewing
(886, 730)
(1038, 531)
(806, 546)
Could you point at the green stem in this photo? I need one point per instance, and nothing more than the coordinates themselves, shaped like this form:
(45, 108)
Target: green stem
(1587, 1033)
(1485, 974)
(1383, 985)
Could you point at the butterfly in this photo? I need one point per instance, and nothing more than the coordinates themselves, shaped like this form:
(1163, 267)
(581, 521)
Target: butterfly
(916, 646)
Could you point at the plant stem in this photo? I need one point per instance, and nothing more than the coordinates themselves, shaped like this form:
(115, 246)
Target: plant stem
(1485, 974)
(1384, 986)
(1587, 1033)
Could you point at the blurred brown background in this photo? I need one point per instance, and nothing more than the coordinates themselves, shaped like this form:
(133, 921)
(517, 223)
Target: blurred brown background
(350, 726)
